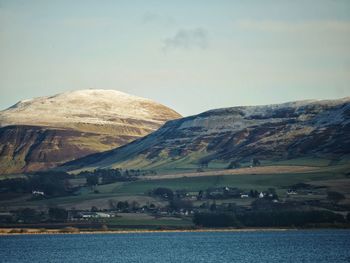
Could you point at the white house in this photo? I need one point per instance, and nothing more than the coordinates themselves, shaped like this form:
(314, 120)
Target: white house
(291, 192)
(37, 193)
(103, 215)
(95, 215)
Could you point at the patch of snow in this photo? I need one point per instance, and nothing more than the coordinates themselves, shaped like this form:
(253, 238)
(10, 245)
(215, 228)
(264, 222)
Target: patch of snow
(309, 112)
(92, 106)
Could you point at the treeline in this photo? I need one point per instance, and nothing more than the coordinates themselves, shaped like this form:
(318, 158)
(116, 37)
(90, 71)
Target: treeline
(56, 183)
(29, 215)
(108, 176)
(268, 219)
(218, 193)
(51, 183)
(175, 198)
(235, 164)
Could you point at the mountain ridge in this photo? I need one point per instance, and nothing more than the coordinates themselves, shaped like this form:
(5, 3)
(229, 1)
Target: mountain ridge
(287, 130)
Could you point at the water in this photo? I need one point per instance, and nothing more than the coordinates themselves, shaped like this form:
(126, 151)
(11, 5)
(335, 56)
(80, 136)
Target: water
(291, 246)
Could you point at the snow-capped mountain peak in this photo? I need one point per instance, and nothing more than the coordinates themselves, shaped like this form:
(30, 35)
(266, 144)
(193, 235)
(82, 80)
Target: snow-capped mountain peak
(95, 106)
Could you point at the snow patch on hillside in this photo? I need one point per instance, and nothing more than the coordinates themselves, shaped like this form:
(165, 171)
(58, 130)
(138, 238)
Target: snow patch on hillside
(93, 106)
(242, 117)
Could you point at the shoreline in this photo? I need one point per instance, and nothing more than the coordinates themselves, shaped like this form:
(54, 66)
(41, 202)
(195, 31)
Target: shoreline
(145, 231)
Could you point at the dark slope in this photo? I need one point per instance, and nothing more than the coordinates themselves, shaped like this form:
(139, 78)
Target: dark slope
(273, 132)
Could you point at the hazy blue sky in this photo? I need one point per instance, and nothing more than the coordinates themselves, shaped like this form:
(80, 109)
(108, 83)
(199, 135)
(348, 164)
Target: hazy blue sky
(189, 55)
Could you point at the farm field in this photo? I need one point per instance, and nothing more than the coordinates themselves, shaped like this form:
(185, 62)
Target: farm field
(258, 178)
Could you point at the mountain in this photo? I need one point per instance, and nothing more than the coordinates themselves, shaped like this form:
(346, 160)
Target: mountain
(44, 132)
(239, 134)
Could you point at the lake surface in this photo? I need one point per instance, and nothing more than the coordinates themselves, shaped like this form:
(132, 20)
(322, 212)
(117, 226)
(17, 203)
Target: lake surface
(289, 246)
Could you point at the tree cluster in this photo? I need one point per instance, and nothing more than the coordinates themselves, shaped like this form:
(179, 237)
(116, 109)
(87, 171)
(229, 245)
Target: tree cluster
(30, 215)
(163, 192)
(51, 183)
(267, 218)
(108, 176)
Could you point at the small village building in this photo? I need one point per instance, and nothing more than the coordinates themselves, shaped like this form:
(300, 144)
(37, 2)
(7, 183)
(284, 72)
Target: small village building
(87, 215)
(291, 192)
(38, 193)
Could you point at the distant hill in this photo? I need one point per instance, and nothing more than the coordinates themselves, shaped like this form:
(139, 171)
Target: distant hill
(43, 132)
(240, 134)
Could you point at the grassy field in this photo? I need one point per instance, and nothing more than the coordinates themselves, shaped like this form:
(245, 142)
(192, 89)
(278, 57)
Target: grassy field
(247, 181)
(189, 163)
(335, 177)
(12, 176)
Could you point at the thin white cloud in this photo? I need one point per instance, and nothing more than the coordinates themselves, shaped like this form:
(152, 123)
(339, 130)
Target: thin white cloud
(187, 39)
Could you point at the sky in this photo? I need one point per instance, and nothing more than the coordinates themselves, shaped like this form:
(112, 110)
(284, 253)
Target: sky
(191, 55)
